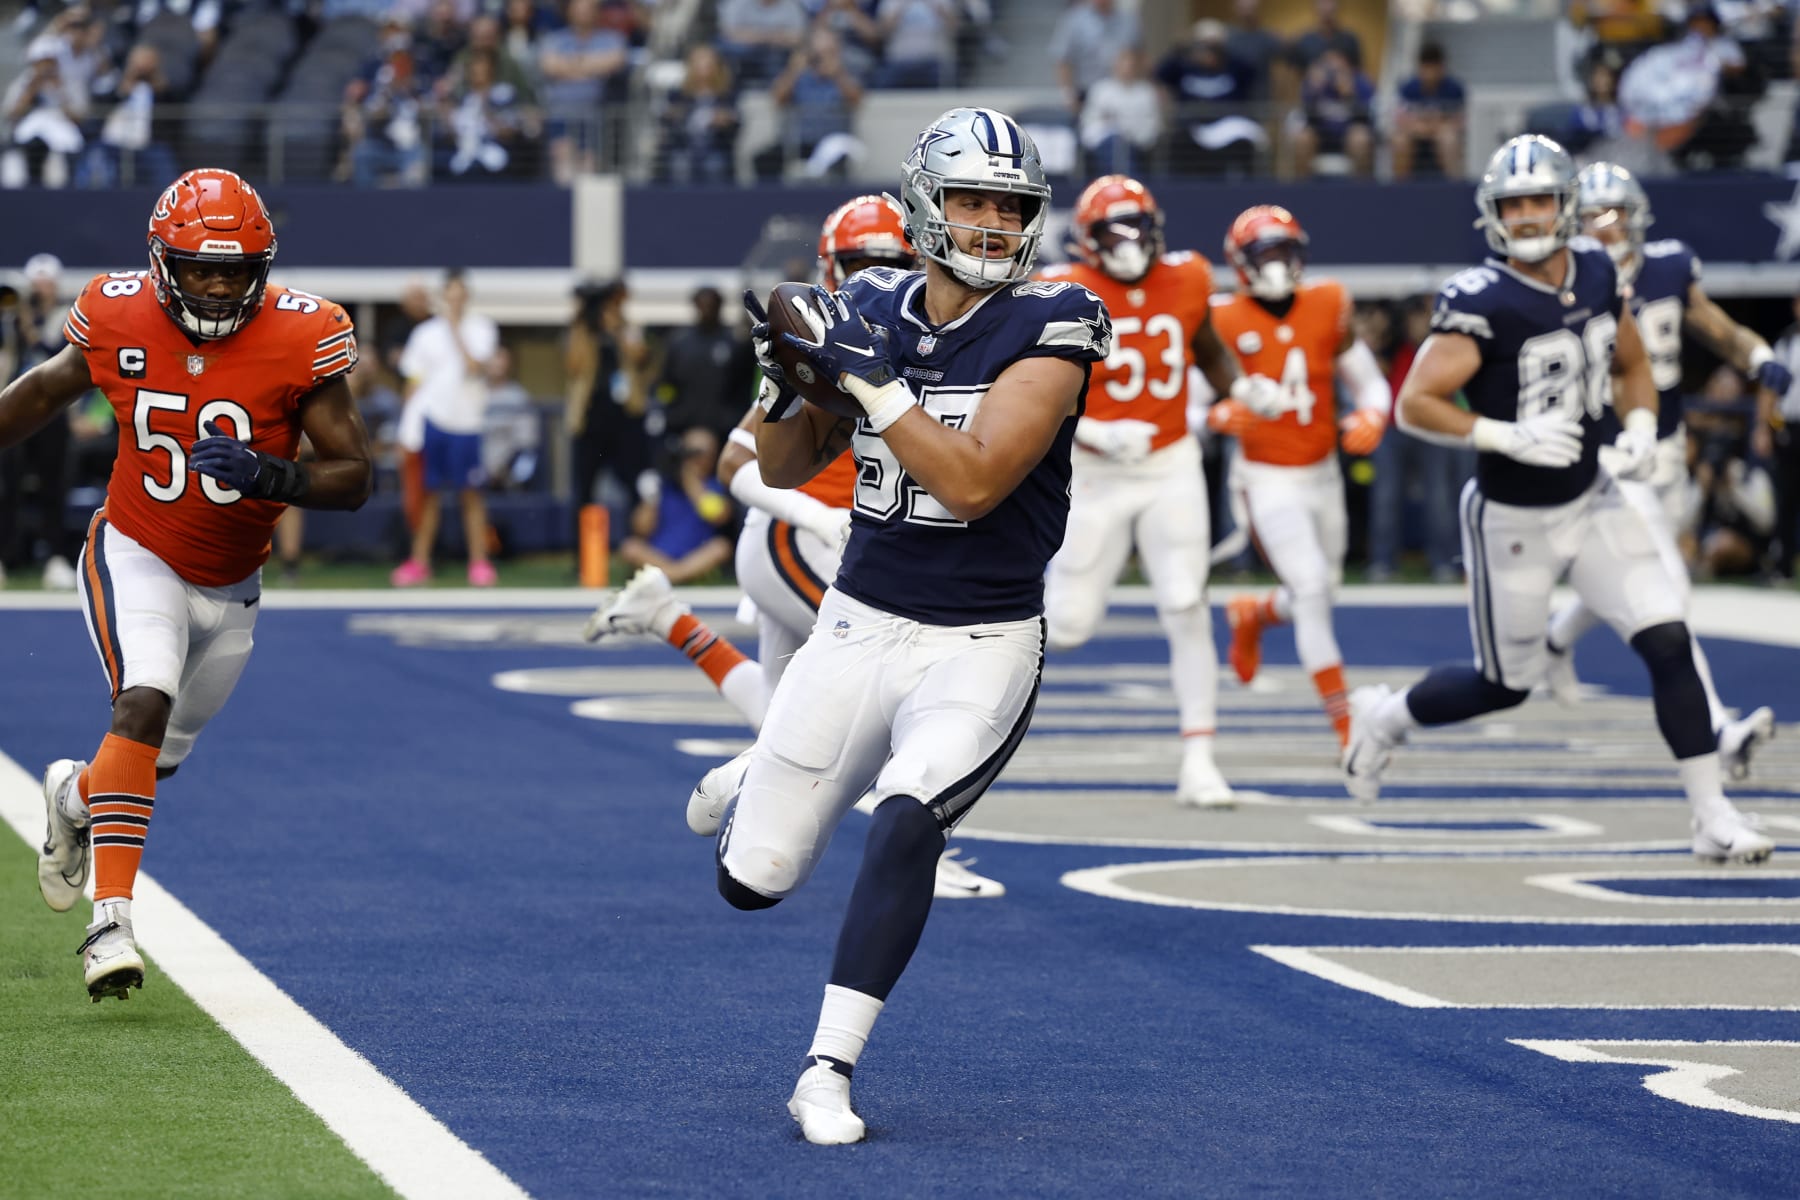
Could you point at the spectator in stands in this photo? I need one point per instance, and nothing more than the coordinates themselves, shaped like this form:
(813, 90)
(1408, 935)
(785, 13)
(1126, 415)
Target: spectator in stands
(487, 37)
(1777, 440)
(1691, 97)
(382, 118)
(523, 24)
(819, 99)
(584, 67)
(707, 371)
(1258, 50)
(482, 121)
(512, 434)
(700, 123)
(1086, 43)
(760, 37)
(1429, 121)
(42, 112)
(134, 146)
(43, 458)
(605, 363)
(445, 365)
(1208, 92)
(1623, 27)
(918, 43)
(859, 34)
(1594, 126)
(682, 520)
(438, 38)
(1122, 117)
(1335, 115)
(1410, 470)
(1326, 34)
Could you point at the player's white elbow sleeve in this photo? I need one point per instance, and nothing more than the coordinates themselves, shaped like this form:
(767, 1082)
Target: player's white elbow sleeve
(796, 508)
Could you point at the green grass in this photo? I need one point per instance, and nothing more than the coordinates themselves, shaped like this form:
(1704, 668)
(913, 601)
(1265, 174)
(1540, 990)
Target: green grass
(145, 1097)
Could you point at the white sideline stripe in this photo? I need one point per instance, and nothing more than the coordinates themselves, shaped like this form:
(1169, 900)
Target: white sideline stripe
(1683, 1082)
(412, 1151)
(1302, 959)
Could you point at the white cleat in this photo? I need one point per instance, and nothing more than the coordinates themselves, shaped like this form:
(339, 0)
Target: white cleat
(1559, 676)
(109, 956)
(1733, 838)
(66, 855)
(955, 881)
(1740, 738)
(645, 605)
(714, 794)
(59, 575)
(1368, 753)
(1201, 784)
(821, 1103)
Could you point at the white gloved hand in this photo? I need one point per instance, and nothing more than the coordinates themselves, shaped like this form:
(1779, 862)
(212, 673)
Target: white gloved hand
(832, 526)
(1260, 394)
(1124, 441)
(1548, 439)
(1633, 453)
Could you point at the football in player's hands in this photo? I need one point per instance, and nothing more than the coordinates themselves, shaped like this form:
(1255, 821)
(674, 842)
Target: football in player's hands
(1361, 432)
(790, 306)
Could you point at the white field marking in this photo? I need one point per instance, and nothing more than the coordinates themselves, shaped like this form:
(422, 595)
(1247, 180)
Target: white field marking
(411, 1150)
(1463, 851)
(1548, 825)
(1684, 1082)
(1578, 885)
(1313, 960)
(1105, 882)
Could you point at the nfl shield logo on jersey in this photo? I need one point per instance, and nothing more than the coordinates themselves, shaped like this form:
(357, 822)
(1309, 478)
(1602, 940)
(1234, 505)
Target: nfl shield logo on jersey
(196, 364)
(841, 630)
(927, 344)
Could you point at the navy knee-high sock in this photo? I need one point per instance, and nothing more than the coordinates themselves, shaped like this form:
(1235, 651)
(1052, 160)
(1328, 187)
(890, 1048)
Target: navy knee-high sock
(1681, 710)
(891, 899)
(1455, 693)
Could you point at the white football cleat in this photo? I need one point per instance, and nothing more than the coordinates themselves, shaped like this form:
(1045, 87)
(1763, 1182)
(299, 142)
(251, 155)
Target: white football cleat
(1733, 838)
(1201, 784)
(59, 575)
(109, 956)
(1559, 676)
(645, 605)
(67, 853)
(955, 881)
(821, 1103)
(714, 793)
(1740, 738)
(1368, 753)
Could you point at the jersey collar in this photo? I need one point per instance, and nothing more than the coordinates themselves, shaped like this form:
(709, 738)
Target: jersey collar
(914, 292)
(1538, 285)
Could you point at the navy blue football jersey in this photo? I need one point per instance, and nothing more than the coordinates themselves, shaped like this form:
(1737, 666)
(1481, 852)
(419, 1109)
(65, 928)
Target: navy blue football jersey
(907, 554)
(1542, 348)
(1659, 301)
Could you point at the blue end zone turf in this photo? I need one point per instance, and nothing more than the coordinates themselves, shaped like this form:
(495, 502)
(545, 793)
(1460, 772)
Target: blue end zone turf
(498, 903)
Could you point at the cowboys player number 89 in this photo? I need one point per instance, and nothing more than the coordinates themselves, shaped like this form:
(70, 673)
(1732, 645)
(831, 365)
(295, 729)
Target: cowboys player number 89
(1538, 338)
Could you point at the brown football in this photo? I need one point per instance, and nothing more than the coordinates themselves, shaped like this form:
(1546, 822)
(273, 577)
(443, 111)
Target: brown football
(805, 378)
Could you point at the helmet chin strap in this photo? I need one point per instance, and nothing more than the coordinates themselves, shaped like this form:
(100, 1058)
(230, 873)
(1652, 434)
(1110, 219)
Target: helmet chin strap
(1533, 249)
(1272, 281)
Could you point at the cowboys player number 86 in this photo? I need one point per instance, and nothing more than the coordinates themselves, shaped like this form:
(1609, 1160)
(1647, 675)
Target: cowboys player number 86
(1537, 337)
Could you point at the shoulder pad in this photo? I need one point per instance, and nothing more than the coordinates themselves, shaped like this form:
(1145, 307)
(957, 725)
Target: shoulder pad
(1664, 248)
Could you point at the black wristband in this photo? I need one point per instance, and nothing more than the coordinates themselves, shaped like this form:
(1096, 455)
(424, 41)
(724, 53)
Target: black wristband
(280, 479)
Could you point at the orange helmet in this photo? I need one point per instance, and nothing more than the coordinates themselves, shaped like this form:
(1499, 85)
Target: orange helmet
(1118, 228)
(868, 231)
(1268, 248)
(210, 216)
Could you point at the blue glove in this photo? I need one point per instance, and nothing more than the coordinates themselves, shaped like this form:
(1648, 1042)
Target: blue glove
(1775, 377)
(250, 472)
(846, 344)
(775, 396)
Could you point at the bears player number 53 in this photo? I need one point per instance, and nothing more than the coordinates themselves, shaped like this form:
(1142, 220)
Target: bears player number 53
(213, 374)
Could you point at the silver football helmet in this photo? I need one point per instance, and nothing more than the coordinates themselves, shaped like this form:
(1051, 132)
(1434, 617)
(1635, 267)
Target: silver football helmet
(1605, 187)
(979, 149)
(1528, 165)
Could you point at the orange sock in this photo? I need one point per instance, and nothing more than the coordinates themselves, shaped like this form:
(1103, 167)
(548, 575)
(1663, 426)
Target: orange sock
(710, 652)
(1330, 683)
(121, 788)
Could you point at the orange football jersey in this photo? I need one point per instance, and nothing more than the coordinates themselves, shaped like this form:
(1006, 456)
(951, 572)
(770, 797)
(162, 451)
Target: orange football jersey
(1154, 321)
(836, 484)
(164, 388)
(1299, 351)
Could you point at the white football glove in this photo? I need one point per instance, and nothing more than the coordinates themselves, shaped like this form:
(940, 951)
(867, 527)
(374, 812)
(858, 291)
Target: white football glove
(1548, 439)
(832, 526)
(1260, 394)
(1633, 453)
(1124, 441)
